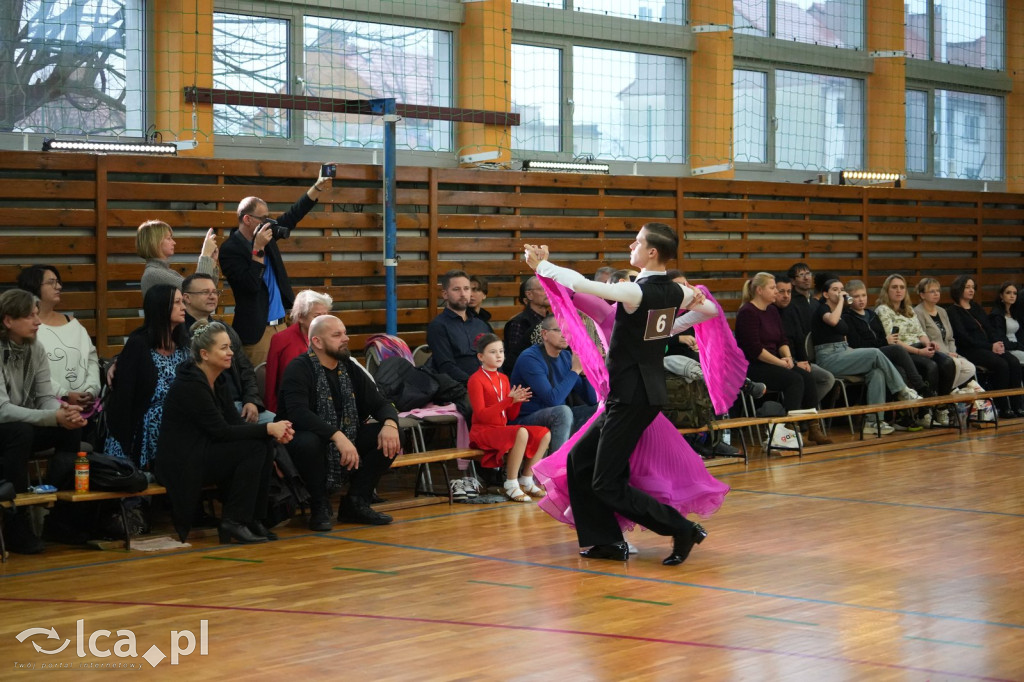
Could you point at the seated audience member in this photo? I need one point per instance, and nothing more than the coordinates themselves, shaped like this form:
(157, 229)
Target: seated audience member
(204, 441)
(154, 241)
(145, 369)
(562, 398)
(494, 402)
(622, 276)
(803, 291)
(895, 312)
(829, 331)
(200, 295)
(74, 365)
(31, 417)
(519, 331)
(477, 295)
(1005, 320)
(293, 341)
(866, 331)
(977, 341)
(936, 325)
(796, 330)
(329, 400)
(603, 273)
(760, 336)
(452, 334)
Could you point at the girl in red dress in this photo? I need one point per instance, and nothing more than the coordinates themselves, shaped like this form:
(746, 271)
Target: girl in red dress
(494, 403)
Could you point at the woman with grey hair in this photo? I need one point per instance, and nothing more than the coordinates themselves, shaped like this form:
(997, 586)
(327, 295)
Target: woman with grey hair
(294, 340)
(204, 441)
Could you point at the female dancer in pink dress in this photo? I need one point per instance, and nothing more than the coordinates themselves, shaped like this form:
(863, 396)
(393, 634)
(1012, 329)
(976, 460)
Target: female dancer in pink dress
(663, 465)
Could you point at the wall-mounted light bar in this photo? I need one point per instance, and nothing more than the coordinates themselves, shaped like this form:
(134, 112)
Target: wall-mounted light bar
(848, 177)
(565, 167)
(158, 148)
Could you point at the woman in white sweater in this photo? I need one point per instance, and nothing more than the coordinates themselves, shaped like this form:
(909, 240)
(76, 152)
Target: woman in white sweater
(74, 365)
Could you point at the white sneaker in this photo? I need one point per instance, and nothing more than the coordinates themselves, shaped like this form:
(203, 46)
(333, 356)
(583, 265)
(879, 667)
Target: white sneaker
(941, 417)
(784, 439)
(870, 429)
(458, 488)
(908, 394)
(471, 486)
(925, 420)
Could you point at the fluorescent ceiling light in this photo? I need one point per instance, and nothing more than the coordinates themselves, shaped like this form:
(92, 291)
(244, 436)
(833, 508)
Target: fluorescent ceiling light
(851, 176)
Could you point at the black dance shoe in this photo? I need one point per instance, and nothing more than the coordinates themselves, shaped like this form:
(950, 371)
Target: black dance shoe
(617, 551)
(259, 530)
(233, 530)
(358, 510)
(682, 544)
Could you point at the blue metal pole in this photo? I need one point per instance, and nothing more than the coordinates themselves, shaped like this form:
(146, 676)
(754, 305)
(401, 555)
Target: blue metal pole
(386, 108)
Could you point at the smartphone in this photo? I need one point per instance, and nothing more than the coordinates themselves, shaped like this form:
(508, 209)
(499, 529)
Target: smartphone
(328, 170)
(894, 330)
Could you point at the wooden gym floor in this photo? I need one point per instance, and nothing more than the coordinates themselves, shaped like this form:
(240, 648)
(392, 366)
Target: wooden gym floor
(898, 560)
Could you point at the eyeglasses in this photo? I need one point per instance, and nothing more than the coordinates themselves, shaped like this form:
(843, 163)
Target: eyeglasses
(551, 329)
(205, 292)
(51, 282)
(257, 217)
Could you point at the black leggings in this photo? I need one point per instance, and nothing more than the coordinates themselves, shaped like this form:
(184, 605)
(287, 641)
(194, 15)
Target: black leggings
(1003, 372)
(797, 386)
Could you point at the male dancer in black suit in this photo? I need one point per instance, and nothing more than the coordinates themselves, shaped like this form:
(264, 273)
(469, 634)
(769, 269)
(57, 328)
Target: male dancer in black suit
(598, 466)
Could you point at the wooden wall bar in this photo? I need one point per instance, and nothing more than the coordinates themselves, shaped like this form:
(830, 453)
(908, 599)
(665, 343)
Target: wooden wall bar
(79, 213)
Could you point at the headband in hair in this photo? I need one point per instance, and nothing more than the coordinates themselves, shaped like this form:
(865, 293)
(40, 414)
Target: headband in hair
(200, 330)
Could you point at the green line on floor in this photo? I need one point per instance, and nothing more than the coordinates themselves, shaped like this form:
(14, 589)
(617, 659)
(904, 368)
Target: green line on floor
(487, 582)
(943, 641)
(231, 558)
(783, 620)
(364, 570)
(639, 601)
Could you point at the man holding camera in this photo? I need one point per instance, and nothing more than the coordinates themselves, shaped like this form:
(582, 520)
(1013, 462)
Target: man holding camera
(252, 264)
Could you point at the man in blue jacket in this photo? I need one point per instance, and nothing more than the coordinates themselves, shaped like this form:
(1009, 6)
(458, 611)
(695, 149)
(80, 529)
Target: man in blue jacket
(563, 399)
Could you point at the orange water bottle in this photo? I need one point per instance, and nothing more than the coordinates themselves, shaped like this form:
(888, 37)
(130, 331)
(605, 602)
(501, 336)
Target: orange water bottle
(82, 473)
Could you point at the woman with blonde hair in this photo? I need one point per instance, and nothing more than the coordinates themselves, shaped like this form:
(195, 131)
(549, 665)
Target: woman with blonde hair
(760, 336)
(936, 325)
(897, 315)
(154, 241)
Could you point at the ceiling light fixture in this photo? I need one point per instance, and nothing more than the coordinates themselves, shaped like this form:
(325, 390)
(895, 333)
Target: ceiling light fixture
(158, 148)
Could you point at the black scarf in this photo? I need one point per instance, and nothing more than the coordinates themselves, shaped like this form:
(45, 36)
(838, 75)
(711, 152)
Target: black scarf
(326, 410)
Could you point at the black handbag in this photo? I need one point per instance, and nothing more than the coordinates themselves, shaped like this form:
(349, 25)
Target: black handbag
(106, 473)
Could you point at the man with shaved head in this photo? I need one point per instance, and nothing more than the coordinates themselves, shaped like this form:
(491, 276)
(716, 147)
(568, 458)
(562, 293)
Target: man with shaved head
(328, 399)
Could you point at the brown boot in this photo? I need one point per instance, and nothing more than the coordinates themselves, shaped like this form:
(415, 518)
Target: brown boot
(815, 434)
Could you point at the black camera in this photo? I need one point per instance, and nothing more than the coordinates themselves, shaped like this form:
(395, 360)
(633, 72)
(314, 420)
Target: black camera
(328, 170)
(277, 230)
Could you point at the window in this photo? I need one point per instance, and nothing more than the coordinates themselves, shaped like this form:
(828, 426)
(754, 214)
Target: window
(85, 58)
(969, 137)
(250, 54)
(361, 60)
(750, 116)
(965, 138)
(628, 105)
(819, 121)
(918, 131)
(961, 32)
(536, 98)
(835, 23)
(662, 11)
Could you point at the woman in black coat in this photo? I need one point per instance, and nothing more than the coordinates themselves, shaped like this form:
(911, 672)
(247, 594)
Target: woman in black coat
(1006, 319)
(977, 341)
(203, 441)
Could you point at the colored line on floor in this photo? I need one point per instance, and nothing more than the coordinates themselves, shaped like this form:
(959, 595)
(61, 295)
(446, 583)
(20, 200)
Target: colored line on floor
(781, 620)
(231, 558)
(943, 641)
(488, 582)
(638, 601)
(515, 628)
(363, 570)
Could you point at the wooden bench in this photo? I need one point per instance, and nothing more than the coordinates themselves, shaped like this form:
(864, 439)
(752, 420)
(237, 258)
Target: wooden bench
(98, 495)
(423, 459)
(22, 500)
